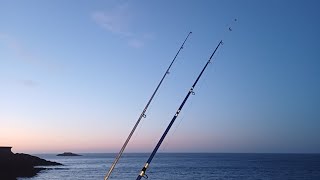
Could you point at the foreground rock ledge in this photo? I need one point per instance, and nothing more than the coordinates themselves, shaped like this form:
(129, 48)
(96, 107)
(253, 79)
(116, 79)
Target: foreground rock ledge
(13, 165)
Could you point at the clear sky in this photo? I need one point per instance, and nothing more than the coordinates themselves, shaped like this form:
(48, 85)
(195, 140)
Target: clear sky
(75, 75)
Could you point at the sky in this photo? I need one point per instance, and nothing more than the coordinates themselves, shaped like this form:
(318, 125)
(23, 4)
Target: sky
(75, 75)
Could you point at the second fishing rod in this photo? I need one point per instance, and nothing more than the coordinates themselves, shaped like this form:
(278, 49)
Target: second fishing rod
(144, 169)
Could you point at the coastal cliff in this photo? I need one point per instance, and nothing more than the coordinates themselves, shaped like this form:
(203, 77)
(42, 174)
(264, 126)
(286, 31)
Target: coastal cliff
(13, 165)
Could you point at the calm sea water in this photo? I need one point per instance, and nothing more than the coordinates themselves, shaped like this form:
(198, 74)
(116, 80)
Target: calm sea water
(186, 166)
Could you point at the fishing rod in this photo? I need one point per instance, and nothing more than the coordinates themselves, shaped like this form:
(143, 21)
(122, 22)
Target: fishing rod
(143, 114)
(144, 169)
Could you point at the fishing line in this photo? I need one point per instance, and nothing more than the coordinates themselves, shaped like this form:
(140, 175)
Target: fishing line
(187, 109)
(186, 112)
(144, 119)
(226, 31)
(228, 28)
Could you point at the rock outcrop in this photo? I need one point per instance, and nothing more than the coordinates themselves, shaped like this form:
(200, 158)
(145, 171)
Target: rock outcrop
(20, 165)
(68, 154)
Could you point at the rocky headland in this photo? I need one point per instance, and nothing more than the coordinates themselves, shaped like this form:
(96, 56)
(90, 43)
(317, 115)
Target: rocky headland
(13, 165)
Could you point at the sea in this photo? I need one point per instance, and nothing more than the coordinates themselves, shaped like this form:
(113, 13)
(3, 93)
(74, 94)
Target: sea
(184, 166)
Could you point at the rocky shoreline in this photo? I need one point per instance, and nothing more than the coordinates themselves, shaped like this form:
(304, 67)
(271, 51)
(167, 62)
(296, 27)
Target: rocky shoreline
(13, 165)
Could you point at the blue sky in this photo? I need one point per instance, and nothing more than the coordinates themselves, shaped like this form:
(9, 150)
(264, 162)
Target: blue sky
(75, 75)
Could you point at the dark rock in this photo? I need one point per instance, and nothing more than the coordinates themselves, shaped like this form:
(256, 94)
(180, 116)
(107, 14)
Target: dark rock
(68, 154)
(20, 165)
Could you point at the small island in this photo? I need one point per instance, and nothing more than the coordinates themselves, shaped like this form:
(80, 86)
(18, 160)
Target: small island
(68, 154)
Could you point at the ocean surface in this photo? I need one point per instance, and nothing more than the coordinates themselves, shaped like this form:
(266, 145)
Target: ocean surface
(185, 166)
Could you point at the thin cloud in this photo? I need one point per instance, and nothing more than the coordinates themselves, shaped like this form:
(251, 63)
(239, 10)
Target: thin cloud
(9, 42)
(118, 21)
(136, 43)
(28, 83)
(148, 36)
(3, 36)
(24, 54)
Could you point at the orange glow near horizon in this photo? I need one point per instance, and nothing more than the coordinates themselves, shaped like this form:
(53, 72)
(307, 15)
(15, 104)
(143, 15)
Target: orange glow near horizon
(31, 141)
(25, 140)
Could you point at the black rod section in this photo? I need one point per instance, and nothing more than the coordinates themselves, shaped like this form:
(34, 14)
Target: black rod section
(144, 169)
